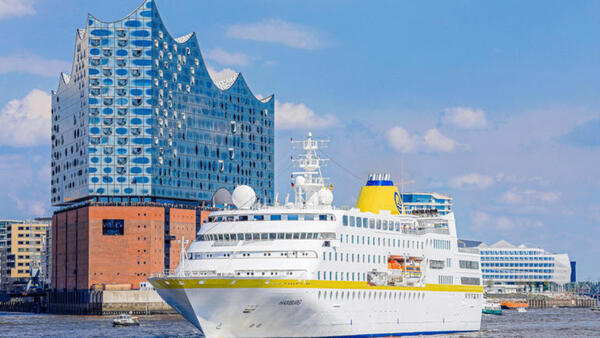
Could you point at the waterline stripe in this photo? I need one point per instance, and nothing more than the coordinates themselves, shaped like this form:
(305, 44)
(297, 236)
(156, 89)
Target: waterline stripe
(214, 283)
(402, 334)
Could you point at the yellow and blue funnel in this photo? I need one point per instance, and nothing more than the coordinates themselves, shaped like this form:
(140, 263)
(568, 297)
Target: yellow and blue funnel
(378, 194)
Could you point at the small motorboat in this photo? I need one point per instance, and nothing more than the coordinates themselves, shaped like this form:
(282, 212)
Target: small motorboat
(125, 320)
(595, 308)
(521, 309)
(492, 309)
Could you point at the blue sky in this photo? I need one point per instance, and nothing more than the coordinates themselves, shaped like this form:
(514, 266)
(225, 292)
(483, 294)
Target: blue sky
(495, 103)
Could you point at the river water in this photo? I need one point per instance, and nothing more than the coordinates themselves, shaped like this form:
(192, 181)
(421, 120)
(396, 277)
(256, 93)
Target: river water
(534, 323)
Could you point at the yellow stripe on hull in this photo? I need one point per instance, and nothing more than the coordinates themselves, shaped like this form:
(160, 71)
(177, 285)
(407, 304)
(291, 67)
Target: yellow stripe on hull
(208, 283)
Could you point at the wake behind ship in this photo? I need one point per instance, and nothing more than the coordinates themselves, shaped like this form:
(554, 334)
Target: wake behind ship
(306, 268)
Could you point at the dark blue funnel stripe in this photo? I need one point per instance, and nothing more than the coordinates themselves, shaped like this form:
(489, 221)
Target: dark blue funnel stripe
(380, 182)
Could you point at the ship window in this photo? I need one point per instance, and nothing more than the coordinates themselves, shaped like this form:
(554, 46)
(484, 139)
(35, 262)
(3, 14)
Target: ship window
(303, 235)
(378, 224)
(280, 235)
(255, 236)
(259, 217)
(240, 237)
(272, 235)
(247, 237)
(292, 217)
(288, 235)
(309, 217)
(371, 223)
(263, 236)
(358, 221)
(243, 217)
(322, 217)
(275, 217)
(351, 221)
(345, 220)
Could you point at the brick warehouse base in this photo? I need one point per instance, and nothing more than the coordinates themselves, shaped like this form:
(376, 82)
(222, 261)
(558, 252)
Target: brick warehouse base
(119, 243)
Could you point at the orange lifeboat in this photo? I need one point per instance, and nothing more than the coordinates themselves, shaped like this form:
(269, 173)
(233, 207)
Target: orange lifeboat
(513, 305)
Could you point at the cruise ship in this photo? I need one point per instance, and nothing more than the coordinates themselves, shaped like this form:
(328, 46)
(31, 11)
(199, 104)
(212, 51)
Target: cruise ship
(304, 268)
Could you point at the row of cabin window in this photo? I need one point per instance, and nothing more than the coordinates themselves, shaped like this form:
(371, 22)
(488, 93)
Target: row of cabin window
(333, 275)
(377, 241)
(371, 295)
(265, 236)
(516, 258)
(253, 254)
(272, 217)
(445, 279)
(370, 259)
(442, 244)
(364, 222)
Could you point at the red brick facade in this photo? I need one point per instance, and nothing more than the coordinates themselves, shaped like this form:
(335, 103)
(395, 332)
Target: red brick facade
(83, 256)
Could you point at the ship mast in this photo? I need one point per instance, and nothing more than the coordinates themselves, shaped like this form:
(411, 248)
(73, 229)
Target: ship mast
(309, 184)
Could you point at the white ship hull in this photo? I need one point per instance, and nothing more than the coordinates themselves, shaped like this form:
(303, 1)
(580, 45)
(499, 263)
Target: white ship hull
(306, 269)
(283, 309)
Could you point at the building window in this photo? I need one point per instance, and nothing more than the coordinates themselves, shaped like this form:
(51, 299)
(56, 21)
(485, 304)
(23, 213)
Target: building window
(113, 227)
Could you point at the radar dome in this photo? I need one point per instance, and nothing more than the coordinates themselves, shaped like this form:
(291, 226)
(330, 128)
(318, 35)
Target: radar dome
(300, 180)
(222, 196)
(243, 197)
(325, 196)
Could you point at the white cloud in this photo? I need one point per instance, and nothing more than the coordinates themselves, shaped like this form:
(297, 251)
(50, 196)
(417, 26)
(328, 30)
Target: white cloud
(34, 208)
(484, 221)
(465, 118)
(221, 75)
(25, 189)
(518, 180)
(10, 8)
(26, 121)
(528, 196)
(472, 180)
(225, 58)
(278, 31)
(33, 64)
(399, 139)
(480, 219)
(298, 116)
(435, 141)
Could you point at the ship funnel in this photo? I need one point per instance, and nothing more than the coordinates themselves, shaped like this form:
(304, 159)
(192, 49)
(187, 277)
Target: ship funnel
(380, 194)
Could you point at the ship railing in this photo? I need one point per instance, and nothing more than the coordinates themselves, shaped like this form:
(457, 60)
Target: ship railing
(443, 231)
(188, 273)
(163, 273)
(468, 250)
(422, 231)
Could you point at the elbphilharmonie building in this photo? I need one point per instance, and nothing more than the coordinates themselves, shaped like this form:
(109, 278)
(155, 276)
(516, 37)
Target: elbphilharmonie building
(140, 119)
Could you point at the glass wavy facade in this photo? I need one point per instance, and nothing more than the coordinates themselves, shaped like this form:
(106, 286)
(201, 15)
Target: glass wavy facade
(140, 118)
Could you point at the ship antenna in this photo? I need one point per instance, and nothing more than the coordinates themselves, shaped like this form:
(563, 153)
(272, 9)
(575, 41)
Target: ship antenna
(309, 181)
